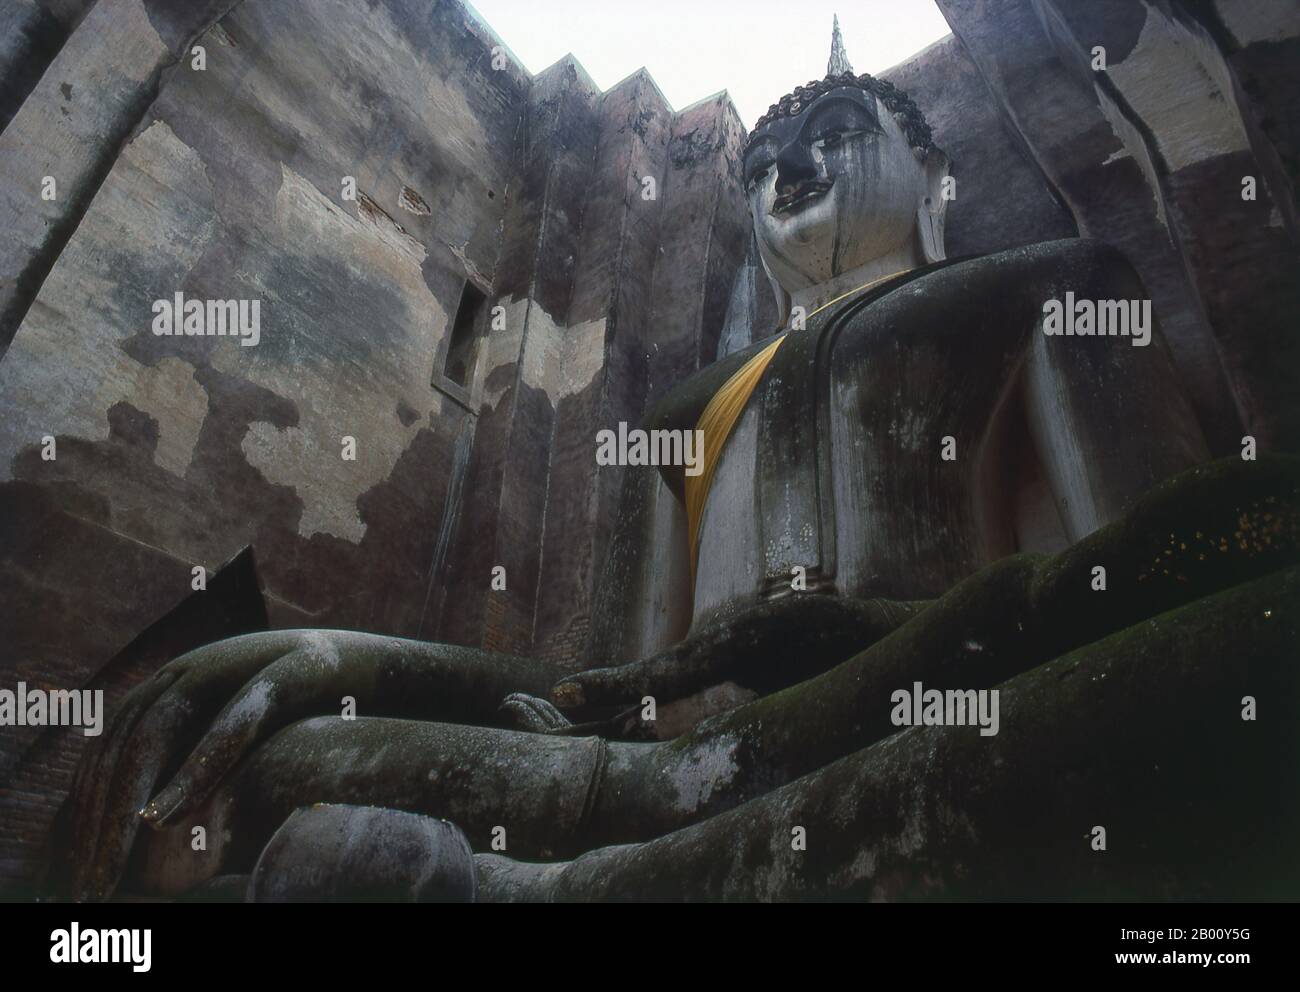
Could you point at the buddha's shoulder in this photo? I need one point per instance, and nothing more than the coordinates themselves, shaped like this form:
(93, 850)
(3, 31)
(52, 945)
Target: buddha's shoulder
(1003, 291)
(1080, 260)
(1071, 263)
(680, 407)
(949, 294)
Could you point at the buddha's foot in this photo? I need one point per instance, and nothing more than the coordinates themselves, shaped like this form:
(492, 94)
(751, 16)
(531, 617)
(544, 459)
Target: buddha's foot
(334, 853)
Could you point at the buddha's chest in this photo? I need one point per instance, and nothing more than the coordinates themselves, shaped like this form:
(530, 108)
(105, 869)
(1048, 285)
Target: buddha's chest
(865, 462)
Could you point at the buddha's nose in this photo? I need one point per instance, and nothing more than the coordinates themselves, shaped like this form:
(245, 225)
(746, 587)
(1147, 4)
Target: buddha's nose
(794, 165)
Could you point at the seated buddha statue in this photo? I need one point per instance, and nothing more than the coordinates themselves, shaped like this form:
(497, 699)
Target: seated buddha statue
(909, 482)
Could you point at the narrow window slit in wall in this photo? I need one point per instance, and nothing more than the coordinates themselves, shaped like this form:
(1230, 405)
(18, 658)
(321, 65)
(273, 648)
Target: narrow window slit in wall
(461, 348)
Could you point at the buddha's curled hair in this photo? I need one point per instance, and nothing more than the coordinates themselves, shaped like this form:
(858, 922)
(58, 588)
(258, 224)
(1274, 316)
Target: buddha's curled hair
(898, 103)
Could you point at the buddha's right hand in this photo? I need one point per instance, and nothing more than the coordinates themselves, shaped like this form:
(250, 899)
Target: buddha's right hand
(218, 702)
(774, 644)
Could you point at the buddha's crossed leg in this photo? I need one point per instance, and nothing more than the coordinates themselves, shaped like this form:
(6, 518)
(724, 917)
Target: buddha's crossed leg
(910, 815)
(218, 703)
(1007, 619)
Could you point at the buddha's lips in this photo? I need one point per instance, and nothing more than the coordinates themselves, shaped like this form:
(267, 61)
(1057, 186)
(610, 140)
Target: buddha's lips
(806, 191)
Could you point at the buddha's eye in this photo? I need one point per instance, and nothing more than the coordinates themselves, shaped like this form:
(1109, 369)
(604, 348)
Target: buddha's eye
(829, 139)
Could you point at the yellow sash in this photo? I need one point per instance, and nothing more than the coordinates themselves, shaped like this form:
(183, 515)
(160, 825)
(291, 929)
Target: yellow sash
(717, 422)
(719, 419)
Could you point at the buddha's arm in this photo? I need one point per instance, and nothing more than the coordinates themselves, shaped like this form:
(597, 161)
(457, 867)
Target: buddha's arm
(643, 601)
(1108, 419)
(217, 702)
(643, 598)
(772, 645)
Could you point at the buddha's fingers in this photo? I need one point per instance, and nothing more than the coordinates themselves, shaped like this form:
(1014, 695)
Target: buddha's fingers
(154, 743)
(326, 674)
(773, 645)
(144, 738)
(535, 715)
(91, 789)
(272, 699)
(593, 687)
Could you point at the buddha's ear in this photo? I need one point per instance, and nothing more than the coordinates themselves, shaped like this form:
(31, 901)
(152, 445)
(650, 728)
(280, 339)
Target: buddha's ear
(930, 215)
(782, 297)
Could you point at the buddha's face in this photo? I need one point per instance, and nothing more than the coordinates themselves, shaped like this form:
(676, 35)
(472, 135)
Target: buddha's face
(833, 188)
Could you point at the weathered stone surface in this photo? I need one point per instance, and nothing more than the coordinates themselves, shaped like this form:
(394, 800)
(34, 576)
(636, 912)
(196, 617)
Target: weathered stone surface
(1002, 197)
(612, 281)
(703, 217)
(509, 473)
(583, 267)
(71, 128)
(1150, 154)
(31, 34)
(1261, 42)
(1168, 76)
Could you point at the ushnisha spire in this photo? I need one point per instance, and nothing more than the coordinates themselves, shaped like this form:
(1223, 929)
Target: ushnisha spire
(839, 60)
(839, 72)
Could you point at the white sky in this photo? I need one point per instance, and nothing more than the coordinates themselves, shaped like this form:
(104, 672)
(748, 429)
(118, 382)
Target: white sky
(758, 50)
